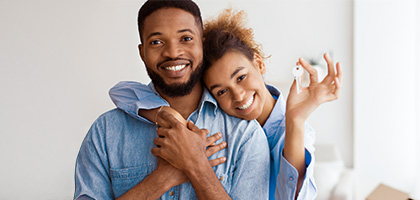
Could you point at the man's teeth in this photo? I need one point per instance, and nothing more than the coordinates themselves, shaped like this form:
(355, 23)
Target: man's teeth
(248, 103)
(175, 68)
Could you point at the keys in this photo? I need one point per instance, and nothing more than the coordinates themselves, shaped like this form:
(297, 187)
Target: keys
(297, 72)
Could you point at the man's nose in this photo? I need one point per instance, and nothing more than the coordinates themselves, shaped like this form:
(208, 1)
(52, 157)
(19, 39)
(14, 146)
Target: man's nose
(172, 50)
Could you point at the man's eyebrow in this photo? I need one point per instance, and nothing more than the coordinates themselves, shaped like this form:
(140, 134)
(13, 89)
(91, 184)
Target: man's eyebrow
(153, 34)
(185, 30)
(236, 71)
(179, 31)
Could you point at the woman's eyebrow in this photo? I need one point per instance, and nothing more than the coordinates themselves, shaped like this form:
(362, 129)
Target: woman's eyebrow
(231, 76)
(214, 86)
(236, 71)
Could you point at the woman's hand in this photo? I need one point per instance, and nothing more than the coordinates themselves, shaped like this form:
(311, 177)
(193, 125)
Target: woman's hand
(300, 106)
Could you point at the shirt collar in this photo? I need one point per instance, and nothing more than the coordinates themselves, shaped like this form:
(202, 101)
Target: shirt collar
(277, 114)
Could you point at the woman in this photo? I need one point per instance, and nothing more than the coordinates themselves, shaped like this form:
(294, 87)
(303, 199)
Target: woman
(233, 74)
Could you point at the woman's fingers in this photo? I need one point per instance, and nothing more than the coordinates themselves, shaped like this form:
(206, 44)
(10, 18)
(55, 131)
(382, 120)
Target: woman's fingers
(313, 74)
(339, 72)
(166, 119)
(214, 149)
(217, 161)
(331, 72)
(212, 139)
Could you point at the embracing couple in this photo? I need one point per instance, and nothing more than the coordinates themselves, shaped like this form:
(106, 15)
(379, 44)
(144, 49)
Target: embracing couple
(207, 126)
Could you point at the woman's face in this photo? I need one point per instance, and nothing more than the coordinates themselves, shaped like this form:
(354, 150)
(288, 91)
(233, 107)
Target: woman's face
(237, 84)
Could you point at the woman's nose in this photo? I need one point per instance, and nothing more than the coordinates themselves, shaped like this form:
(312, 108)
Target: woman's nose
(238, 94)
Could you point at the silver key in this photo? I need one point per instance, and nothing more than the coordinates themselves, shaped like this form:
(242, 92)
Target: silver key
(297, 72)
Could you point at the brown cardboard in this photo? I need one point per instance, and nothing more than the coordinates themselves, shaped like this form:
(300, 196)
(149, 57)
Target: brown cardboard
(383, 192)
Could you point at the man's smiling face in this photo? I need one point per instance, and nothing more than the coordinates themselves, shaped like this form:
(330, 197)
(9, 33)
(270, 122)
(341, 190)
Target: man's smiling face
(172, 50)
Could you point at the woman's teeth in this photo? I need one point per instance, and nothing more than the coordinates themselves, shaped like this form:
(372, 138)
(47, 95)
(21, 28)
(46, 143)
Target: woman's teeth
(175, 68)
(248, 103)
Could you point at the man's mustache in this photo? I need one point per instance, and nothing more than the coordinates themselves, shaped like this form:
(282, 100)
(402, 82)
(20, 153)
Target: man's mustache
(173, 59)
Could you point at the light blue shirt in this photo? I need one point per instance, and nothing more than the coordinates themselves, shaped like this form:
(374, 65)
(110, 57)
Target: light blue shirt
(283, 176)
(116, 153)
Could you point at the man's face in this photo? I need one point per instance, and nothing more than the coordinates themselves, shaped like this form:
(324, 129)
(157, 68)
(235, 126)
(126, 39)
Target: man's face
(172, 50)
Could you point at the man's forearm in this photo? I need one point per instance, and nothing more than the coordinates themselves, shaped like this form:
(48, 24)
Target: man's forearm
(205, 182)
(147, 188)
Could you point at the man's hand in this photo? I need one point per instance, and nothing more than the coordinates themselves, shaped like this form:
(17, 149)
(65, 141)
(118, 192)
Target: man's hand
(175, 176)
(184, 147)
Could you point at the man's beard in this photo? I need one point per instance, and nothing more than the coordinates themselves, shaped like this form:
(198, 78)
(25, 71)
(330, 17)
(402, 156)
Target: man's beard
(178, 89)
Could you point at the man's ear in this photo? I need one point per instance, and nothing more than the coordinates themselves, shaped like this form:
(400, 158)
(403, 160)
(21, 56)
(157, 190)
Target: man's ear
(259, 63)
(141, 52)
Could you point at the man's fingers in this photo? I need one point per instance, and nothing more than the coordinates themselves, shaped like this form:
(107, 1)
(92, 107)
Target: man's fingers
(156, 151)
(212, 139)
(217, 161)
(214, 149)
(158, 141)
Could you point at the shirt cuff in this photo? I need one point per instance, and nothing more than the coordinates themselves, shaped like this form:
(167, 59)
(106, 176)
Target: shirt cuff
(288, 177)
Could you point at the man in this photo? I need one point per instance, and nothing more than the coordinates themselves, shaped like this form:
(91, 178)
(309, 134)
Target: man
(115, 159)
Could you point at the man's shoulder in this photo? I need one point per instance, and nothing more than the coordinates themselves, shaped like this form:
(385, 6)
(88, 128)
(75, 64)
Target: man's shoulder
(117, 118)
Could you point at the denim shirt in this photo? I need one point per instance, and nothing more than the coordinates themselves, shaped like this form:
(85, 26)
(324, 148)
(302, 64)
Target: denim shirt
(131, 96)
(116, 154)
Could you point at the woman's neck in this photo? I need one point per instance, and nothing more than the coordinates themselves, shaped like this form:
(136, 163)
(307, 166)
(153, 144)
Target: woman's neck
(267, 108)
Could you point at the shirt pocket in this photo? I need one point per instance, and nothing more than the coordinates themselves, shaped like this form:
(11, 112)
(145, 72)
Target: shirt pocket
(126, 178)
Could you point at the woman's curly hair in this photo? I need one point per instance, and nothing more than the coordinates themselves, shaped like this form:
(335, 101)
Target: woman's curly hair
(229, 33)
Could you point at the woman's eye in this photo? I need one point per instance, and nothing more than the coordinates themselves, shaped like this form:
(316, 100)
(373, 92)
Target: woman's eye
(187, 38)
(221, 92)
(241, 78)
(155, 42)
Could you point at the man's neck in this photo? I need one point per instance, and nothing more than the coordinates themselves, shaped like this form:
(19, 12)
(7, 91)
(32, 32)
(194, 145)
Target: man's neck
(187, 104)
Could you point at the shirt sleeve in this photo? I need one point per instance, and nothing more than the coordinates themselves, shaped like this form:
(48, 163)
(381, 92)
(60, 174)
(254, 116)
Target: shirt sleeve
(131, 96)
(288, 175)
(92, 179)
(252, 170)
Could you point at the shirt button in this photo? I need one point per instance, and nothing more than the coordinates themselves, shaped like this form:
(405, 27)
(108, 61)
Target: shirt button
(172, 193)
(222, 178)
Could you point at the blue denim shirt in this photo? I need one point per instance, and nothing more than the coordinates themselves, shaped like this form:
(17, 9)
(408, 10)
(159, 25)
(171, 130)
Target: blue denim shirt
(116, 154)
(131, 96)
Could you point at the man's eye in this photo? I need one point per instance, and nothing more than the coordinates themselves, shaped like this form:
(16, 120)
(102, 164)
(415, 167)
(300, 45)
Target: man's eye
(155, 42)
(241, 78)
(187, 38)
(221, 92)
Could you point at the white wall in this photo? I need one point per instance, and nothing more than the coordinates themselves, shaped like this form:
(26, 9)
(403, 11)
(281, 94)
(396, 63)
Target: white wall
(386, 133)
(58, 59)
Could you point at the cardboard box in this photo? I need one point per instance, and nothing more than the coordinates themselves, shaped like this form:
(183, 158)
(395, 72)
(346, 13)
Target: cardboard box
(383, 192)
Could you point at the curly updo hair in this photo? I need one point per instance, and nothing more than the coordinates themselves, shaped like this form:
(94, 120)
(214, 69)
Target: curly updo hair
(228, 33)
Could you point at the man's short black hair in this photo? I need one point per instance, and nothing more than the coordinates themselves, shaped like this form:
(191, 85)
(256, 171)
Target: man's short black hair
(153, 5)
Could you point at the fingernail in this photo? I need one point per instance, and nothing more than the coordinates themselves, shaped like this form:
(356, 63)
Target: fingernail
(219, 134)
(224, 159)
